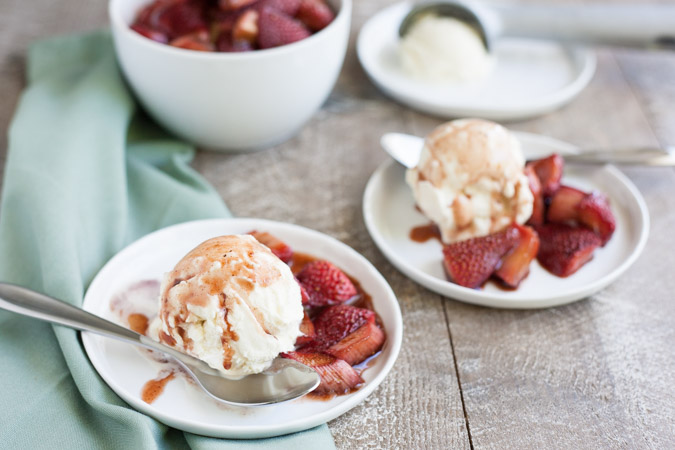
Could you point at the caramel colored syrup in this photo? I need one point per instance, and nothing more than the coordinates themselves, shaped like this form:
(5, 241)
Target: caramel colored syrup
(154, 388)
(423, 233)
(138, 323)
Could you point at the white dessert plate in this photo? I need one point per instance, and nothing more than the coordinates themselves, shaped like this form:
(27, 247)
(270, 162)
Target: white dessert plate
(529, 77)
(389, 212)
(182, 405)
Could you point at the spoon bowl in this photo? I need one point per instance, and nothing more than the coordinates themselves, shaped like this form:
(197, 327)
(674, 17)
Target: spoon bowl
(284, 380)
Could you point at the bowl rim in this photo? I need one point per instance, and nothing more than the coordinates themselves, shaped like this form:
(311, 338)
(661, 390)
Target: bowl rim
(117, 23)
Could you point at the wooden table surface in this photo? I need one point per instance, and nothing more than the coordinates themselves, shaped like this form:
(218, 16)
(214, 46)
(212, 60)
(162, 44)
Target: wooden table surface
(596, 373)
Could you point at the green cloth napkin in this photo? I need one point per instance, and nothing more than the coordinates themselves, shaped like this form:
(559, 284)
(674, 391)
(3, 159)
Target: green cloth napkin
(86, 175)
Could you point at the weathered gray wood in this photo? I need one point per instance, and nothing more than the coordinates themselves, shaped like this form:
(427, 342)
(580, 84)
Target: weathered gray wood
(592, 374)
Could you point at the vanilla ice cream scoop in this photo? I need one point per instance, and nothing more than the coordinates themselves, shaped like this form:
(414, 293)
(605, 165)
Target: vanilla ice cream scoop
(231, 303)
(470, 180)
(444, 49)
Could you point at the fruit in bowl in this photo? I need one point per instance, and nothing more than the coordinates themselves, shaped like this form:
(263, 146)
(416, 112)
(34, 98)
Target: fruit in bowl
(225, 97)
(495, 214)
(231, 25)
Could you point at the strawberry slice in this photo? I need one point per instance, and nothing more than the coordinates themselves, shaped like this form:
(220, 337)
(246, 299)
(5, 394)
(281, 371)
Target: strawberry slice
(278, 247)
(538, 207)
(149, 33)
(288, 7)
(549, 170)
(278, 29)
(595, 213)
(233, 5)
(179, 18)
(316, 14)
(516, 264)
(195, 41)
(564, 249)
(246, 27)
(564, 205)
(325, 283)
(307, 329)
(337, 376)
(359, 345)
(470, 262)
(337, 322)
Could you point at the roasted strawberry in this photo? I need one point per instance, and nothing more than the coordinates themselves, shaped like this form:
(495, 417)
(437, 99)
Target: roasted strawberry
(515, 265)
(233, 5)
(316, 14)
(179, 18)
(337, 322)
(325, 283)
(288, 7)
(278, 29)
(246, 27)
(149, 33)
(564, 249)
(595, 213)
(358, 345)
(337, 376)
(196, 41)
(303, 293)
(307, 329)
(278, 247)
(549, 170)
(470, 262)
(538, 207)
(564, 206)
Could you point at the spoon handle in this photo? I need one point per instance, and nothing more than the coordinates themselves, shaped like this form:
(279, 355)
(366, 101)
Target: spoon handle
(39, 306)
(624, 25)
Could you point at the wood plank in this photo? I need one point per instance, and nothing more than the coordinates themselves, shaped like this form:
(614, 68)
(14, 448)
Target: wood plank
(594, 373)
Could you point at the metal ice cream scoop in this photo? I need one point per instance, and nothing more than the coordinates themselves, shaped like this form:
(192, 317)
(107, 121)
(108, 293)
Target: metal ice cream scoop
(632, 25)
(284, 380)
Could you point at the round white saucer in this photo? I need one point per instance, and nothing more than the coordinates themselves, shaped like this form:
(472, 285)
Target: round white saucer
(389, 212)
(529, 78)
(182, 405)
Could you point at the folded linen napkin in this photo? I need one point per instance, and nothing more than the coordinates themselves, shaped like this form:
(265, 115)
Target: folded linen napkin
(86, 175)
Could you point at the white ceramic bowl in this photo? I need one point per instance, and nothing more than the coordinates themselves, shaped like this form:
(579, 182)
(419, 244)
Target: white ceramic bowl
(231, 101)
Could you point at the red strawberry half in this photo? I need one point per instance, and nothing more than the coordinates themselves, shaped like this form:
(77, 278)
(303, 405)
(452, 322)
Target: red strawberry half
(278, 29)
(337, 376)
(233, 5)
(325, 283)
(316, 14)
(337, 322)
(516, 264)
(595, 213)
(358, 345)
(288, 7)
(179, 18)
(549, 170)
(564, 249)
(278, 247)
(470, 262)
(564, 205)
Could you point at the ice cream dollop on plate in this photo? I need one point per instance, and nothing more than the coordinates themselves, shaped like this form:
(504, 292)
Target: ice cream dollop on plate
(470, 180)
(231, 303)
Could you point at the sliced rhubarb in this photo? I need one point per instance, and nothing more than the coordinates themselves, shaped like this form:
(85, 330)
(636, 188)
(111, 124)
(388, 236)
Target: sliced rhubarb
(595, 213)
(283, 251)
(549, 170)
(564, 207)
(307, 330)
(538, 207)
(516, 264)
(337, 376)
(359, 345)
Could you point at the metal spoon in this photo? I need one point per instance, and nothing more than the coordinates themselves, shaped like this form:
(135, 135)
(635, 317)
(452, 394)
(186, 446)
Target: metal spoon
(284, 380)
(406, 149)
(624, 25)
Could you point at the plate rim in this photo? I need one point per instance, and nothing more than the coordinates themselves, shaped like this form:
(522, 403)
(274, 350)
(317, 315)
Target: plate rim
(492, 299)
(585, 60)
(394, 338)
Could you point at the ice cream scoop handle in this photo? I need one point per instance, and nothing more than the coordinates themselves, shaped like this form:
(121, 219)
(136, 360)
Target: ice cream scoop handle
(626, 25)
